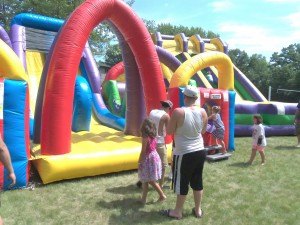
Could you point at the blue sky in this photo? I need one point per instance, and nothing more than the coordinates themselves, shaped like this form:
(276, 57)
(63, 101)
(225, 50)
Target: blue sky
(256, 26)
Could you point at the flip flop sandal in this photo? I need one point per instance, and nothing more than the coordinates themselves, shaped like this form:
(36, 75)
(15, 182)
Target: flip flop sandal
(167, 213)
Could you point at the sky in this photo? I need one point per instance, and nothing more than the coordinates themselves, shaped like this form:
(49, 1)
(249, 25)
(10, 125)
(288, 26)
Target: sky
(255, 26)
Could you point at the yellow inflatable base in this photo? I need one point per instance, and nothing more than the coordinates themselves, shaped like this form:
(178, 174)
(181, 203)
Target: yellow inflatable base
(102, 150)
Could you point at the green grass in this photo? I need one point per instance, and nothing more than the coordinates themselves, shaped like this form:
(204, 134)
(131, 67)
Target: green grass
(233, 194)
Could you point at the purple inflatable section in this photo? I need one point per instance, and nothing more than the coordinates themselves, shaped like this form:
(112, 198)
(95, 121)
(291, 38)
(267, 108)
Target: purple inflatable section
(91, 69)
(4, 36)
(40, 98)
(167, 37)
(159, 40)
(274, 130)
(225, 46)
(122, 89)
(135, 104)
(202, 44)
(247, 84)
(18, 42)
(185, 42)
(167, 58)
(274, 108)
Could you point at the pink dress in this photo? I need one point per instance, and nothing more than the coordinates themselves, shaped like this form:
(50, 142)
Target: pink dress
(150, 169)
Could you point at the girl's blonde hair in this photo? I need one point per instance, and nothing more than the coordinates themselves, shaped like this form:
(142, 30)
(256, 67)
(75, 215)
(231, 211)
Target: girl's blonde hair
(216, 108)
(258, 118)
(148, 128)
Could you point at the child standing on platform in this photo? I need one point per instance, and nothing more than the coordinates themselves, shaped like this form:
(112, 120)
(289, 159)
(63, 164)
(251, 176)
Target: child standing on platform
(258, 140)
(150, 168)
(218, 133)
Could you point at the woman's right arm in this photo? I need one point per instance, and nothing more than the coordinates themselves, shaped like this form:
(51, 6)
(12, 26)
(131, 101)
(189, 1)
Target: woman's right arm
(6, 161)
(172, 125)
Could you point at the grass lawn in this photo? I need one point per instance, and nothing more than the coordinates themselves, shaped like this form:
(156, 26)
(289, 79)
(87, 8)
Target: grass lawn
(233, 194)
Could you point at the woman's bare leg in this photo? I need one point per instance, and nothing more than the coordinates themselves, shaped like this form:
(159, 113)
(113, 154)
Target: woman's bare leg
(197, 199)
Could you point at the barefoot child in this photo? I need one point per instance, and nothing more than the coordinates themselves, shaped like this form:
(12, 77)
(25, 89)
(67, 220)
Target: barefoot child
(218, 133)
(258, 140)
(150, 168)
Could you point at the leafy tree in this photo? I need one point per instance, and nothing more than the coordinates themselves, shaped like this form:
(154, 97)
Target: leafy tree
(282, 72)
(259, 73)
(8, 9)
(100, 38)
(167, 28)
(151, 25)
(113, 54)
(285, 70)
(240, 59)
(255, 67)
(55, 8)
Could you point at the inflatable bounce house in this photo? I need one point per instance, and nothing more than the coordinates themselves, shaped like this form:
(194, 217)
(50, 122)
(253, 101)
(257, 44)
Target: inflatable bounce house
(278, 116)
(53, 112)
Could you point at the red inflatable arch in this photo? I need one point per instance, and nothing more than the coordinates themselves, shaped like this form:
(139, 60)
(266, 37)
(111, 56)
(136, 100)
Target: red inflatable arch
(59, 90)
(115, 71)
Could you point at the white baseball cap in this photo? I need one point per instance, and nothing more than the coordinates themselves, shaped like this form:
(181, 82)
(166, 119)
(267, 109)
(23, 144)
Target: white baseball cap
(191, 91)
(166, 103)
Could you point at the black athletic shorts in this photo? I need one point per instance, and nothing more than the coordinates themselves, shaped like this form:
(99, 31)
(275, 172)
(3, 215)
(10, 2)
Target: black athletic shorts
(187, 170)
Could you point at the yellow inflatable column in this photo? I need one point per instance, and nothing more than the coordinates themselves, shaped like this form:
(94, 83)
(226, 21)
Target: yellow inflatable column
(10, 65)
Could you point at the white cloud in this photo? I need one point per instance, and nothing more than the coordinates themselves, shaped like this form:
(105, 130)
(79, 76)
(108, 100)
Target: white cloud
(293, 19)
(165, 20)
(256, 39)
(293, 38)
(219, 6)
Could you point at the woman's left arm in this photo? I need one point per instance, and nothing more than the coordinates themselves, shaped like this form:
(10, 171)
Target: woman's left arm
(204, 120)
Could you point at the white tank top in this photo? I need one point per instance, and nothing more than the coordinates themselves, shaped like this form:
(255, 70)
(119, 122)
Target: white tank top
(188, 137)
(155, 115)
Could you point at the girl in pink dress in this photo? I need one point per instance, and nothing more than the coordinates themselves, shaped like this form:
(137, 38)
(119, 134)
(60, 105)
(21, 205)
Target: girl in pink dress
(150, 168)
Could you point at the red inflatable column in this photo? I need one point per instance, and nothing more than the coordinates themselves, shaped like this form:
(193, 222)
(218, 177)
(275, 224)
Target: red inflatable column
(204, 103)
(220, 98)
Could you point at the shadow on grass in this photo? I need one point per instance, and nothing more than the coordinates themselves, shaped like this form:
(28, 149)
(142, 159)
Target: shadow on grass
(131, 211)
(239, 164)
(286, 148)
(129, 189)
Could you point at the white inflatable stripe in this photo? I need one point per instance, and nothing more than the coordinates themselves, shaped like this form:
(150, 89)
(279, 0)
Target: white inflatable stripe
(280, 108)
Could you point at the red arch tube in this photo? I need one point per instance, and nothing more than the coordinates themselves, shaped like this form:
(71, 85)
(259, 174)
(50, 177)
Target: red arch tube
(59, 90)
(115, 71)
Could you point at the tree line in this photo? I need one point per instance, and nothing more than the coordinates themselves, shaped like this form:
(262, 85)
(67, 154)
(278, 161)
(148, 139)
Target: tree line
(281, 72)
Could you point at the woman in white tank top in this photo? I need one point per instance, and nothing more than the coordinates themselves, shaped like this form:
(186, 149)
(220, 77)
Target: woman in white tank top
(187, 124)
